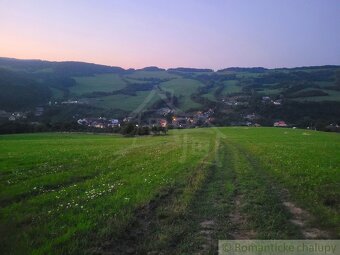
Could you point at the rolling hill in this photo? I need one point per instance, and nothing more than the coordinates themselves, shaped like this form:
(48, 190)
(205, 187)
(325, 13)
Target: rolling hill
(114, 91)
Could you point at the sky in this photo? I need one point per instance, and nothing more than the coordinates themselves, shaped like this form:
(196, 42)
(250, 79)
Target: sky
(173, 33)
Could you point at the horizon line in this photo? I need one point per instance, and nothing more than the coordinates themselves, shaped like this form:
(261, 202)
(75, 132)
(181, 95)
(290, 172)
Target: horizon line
(166, 69)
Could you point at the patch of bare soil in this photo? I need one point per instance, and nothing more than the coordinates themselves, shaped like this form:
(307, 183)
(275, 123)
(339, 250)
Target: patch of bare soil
(206, 236)
(241, 231)
(301, 218)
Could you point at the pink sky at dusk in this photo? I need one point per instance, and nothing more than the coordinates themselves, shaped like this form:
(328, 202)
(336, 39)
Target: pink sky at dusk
(209, 34)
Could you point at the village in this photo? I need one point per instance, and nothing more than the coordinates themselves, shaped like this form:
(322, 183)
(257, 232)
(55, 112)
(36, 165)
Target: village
(167, 118)
(21, 115)
(164, 117)
(243, 100)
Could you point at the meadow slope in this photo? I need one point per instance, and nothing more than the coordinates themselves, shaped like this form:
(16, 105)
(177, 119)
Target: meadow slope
(180, 193)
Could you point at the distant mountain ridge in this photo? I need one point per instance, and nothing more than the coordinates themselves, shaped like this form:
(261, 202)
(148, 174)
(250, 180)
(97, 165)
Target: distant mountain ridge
(70, 67)
(37, 64)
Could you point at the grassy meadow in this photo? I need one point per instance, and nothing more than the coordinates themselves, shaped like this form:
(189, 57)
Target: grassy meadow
(231, 86)
(101, 82)
(126, 102)
(92, 194)
(183, 89)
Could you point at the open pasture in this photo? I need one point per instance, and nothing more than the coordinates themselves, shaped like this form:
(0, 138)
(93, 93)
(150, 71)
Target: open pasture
(85, 193)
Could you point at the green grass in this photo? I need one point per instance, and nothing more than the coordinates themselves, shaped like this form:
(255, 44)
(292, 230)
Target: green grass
(73, 193)
(267, 89)
(333, 96)
(126, 102)
(231, 87)
(325, 83)
(269, 92)
(58, 189)
(100, 82)
(261, 197)
(57, 93)
(210, 95)
(139, 81)
(305, 162)
(183, 89)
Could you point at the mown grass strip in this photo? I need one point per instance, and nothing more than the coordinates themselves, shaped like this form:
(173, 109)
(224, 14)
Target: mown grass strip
(208, 215)
(261, 203)
(167, 223)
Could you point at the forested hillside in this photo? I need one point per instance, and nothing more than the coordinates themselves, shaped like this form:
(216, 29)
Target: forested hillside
(305, 96)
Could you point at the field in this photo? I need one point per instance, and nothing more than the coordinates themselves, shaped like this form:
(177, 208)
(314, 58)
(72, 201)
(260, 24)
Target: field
(211, 95)
(126, 102)
(179, 193)
(57, 94)
(332, 96)
(101, 82)
(231, 87)
(183, 89)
